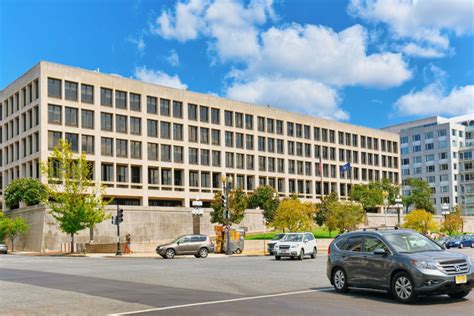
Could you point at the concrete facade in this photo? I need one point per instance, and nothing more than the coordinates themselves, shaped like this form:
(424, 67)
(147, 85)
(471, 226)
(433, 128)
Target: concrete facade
(158, 146)
(466, 171)
(430, 149)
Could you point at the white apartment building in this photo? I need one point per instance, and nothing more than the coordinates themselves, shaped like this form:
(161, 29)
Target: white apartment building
(466, 170)
(430, 150)
(152, 145)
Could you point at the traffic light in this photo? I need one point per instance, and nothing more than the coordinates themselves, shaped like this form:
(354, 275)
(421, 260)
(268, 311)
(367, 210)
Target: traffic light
(224, 200)
(120, 215)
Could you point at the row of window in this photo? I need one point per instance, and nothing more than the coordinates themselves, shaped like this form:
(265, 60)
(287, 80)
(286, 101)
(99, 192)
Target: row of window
(428, 146)
(427, 158)
(28, 94)
(213, 115)
(17, 125)
(429, 135)
(428, 169)
(27, 146)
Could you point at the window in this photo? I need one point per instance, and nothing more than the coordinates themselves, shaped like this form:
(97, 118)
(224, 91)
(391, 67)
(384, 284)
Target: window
(204, 132)
(71, 116)
(151, 105)
(120, 99)
(87, 143)
(106, 121)
(441, 132)
(416, 148)
(248, 121)
(193, 156)
(216, 158)
(192, 112)
(107, 146)
(136, 174)
(165, 130)
(166, 153)
(53, 139)
(193, 134)
(416, 138)
(229, 160)
(178, 154)
(135, 102)
(193, 178)
(239, 120)
(107, 172)
(165, 107)
(153, 176)
(204, 157)
(70, 92)
(260, 124)
(351, 244)
(54, 114)
(121, 125)
(228, 118)
(250, 162)
(152, 128)
(54, 88)
(87, 93)
(122, 173)
(152, 150)
(442, 144)
(73, 140)
(216, 137)
(404, 150)
(430, 168)
(135, 125)
(417, 159)
(204, 113)
(215, 116)
(443, 167)
(105, 96)
(249, 142)
(299, 132)
(229, 139)
(177, 131)
(135, 149)
(166, 177)
(290, 129)
(372, 243)
(177, 109)
(404, 140)
(429, 158)
(429, 146)
(443, 155)
(121, 148)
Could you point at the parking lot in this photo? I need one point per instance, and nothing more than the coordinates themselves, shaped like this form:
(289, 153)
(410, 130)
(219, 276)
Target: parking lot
(186, 285)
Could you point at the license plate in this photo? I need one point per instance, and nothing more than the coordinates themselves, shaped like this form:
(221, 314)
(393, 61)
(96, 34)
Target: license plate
(460, 279)
(283, 251)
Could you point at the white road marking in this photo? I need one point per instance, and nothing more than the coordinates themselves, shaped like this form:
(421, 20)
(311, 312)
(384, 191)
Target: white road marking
(221, 301)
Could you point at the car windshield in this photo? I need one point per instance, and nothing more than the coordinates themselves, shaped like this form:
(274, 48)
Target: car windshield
(177, 239)
(411, 242)
(277, 236)
(293, 237)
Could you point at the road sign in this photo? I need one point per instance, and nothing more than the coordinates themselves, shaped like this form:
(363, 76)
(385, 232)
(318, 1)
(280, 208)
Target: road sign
(197, 203)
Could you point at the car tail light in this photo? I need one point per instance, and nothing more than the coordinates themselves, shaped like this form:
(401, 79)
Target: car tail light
(329, 250)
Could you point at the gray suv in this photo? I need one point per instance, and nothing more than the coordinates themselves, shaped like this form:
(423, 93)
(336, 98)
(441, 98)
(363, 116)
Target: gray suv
(198, 245)
(403, 262)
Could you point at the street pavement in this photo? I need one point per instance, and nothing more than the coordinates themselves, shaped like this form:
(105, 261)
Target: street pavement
(31, 285)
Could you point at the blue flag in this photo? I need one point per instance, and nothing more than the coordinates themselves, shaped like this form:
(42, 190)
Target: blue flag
(346, 167)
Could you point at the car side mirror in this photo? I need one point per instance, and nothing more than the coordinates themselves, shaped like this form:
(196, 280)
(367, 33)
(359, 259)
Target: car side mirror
(380, 252)
(178, 242)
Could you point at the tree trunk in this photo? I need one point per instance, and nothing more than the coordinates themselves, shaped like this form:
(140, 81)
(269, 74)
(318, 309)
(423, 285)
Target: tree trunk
(72, 243)
(91, 234)
(13, 241)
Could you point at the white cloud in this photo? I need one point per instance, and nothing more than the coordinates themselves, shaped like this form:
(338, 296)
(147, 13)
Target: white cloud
(173, 58)
(299, 95)
(427, 22)
(158, 77)
(412, 49)
(433, 100)
(139, 44)
(319, 53)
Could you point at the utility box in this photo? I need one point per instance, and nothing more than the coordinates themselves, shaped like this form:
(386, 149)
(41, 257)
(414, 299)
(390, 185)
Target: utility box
(236, 239)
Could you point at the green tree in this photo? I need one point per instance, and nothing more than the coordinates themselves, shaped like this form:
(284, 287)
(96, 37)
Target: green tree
(14, 228)
(28, 190)
(420, 220)
(343, 215)
(95, 210)
(3, 226)
(420, 195)
(386, 185)
(294, 216)
(453, 222)
(74, 200)
(370, 197)
(322, 208)
(237, 205)
(266, 198)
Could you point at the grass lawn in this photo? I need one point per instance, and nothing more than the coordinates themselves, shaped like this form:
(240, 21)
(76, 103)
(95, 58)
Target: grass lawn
(319, 232)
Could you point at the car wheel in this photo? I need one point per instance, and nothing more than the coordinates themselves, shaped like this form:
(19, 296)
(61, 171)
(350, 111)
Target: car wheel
(196, 255)
(238, 251)
(170, 253)
(403, 288)
(301, 255)
(461, 246)
(315, 251)
(472, 244)
(339, 280)
(447, 247)
(277, 258)
(203, 252)
(459, 294)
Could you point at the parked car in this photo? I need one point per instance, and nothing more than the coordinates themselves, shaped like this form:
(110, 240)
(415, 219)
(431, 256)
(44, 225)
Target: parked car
(198, 245)
(273, 242)
(296, 245)
(3, 248)
(403, 262)
(460, 242)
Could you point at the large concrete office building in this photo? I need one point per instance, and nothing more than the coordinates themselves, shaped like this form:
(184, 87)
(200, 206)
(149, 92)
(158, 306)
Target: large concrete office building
(430, 149)
(157, 146)
(466, 170)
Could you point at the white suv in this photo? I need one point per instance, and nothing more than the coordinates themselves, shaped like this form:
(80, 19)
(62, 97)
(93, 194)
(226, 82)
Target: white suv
(296, 245)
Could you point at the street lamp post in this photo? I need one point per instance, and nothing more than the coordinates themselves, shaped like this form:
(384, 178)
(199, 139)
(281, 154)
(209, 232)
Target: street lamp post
(399, 205)
(227, 181)
(445, 210)
(385, 204)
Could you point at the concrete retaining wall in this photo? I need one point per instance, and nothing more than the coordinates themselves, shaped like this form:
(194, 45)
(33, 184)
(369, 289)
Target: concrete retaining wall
(148, 226)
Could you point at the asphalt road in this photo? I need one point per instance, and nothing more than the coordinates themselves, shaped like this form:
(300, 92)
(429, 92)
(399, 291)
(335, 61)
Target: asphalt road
(184, 286)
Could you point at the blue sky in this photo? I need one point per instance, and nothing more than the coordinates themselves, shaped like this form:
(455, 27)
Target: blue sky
(367, 62)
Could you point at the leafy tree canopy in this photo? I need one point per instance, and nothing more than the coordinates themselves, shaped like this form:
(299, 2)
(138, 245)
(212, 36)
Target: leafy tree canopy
(28, 190)
(322, 208)
(343, 215)
(237, 205)
(420, 195)
(266, 198)
(420, 220)
(294, 216)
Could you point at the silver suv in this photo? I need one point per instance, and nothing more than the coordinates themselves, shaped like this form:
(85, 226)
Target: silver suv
(198, 245)
(403, 262)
